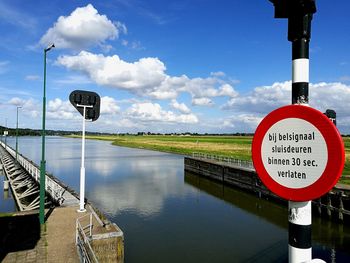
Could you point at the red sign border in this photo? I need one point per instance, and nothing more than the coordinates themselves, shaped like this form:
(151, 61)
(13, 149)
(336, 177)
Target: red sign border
(335, 146)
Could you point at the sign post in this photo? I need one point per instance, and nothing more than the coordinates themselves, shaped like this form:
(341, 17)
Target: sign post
(293, 154)
(88, 105)
(299, 155)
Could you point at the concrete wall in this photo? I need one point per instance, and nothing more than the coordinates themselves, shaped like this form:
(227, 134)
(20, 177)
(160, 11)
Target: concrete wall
(335, 205)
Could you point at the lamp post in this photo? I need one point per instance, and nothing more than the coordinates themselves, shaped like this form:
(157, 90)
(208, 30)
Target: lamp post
(18, 107)
(43, 162)
(6, 133)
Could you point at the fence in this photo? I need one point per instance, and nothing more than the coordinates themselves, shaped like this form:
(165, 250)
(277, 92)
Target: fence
(224, 159)
(83, 239)
(51, 186)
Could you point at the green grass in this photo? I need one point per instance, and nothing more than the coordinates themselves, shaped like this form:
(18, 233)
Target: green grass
(6, 214)
(238, 147)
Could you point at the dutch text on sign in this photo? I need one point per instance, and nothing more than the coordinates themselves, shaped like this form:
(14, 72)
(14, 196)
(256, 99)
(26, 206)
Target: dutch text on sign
(298, 153)
(294, 159)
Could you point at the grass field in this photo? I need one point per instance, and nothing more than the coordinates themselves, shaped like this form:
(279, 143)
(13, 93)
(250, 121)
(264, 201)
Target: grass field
(238, 147)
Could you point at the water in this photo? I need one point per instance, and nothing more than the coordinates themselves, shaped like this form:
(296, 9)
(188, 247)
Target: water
(7, 203)
(169, 216)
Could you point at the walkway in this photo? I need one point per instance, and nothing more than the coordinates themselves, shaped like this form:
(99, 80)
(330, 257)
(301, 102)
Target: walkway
(57, 243)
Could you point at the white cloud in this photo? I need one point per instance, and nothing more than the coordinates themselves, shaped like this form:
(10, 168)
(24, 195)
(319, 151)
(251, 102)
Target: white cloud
(263, 100)
(114, 72)
(148, 111)
(83, 28)
(202, 102)
(145, 77)
(30, 107)
(227, 90)
(207, 87)
(267, 98)
(330, 96)
(126, 123)
(61, 110)
(180, 106)
(109, 105)
(16, 101)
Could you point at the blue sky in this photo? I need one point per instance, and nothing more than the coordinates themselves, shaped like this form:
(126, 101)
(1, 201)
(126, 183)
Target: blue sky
(165, 66)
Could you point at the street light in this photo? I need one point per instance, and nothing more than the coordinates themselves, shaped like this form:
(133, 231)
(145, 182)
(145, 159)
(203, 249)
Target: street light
(43, 162)
(18, 107)
(6, 133)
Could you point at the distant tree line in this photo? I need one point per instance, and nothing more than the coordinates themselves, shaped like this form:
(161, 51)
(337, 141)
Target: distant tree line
(34, 132)
(191, 134)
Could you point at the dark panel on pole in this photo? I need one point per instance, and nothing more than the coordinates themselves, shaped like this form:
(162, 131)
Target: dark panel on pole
(81, 98)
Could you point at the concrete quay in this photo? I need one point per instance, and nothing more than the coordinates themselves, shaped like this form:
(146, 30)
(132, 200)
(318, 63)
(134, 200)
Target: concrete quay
(56, 240)
(334, 205)
(67, 235)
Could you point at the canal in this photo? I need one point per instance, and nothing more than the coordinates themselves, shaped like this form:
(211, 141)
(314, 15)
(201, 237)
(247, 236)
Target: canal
(169, 216)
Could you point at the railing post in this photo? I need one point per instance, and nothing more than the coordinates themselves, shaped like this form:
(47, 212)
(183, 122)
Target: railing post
(90, 224)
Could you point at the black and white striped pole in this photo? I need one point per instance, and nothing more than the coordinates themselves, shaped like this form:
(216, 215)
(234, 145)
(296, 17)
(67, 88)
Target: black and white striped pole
(299, 14)
(300, 215)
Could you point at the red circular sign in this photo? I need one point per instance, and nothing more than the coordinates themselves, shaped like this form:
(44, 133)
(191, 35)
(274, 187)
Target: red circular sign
(298, 153)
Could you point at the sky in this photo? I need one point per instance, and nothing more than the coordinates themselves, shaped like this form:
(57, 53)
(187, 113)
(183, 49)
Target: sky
(205, 66)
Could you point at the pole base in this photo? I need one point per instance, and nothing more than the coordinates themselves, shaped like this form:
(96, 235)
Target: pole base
(81, 210)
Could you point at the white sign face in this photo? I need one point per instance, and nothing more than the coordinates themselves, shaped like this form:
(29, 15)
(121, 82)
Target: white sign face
(294, 153)
(6, 133)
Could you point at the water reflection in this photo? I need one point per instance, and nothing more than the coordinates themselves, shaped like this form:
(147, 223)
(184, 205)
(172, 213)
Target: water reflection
(171, 217)
(140, 186)
(330, 240)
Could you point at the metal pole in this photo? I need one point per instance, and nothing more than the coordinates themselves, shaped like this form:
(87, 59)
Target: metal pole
(300, 214)
(43, 162)
(6, 136)
(17, 134)
(82, 168)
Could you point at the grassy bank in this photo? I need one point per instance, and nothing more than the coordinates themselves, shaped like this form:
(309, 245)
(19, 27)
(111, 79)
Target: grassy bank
(238, 147)
(233, 146)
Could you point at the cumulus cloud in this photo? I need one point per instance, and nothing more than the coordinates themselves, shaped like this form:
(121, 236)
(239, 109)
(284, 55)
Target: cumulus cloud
(16, 101)
(145, 77)
(109, 105)
(147, 111)
(180, 106)
(30, 107)
(264, 99)
(202, 102)
(207, 87)
(58, 109)
(83, 28)
(114, 72)
(61, 110)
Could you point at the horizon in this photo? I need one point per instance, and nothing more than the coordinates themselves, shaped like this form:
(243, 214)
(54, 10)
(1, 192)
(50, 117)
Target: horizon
(166, 67)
